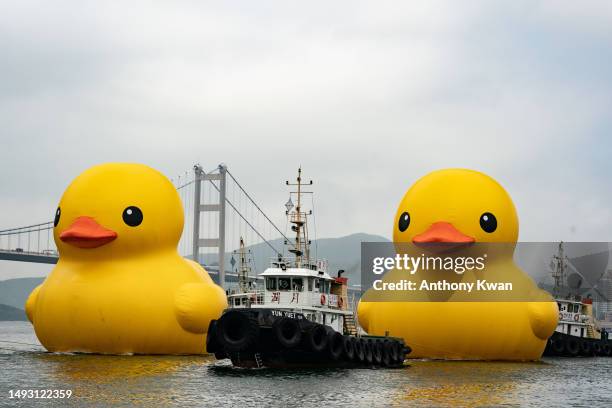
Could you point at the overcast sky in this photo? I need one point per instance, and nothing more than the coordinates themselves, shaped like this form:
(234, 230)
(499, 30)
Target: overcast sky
(366, 96)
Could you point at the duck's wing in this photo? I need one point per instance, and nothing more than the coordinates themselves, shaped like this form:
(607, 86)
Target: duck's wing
(197, 303)
(543, 314)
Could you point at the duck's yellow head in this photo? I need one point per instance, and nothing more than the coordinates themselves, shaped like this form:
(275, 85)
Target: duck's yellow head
(456, 206)
(118, 209)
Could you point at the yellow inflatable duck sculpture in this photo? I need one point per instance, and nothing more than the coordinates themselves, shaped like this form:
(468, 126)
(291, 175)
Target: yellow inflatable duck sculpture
(120, 286)
(462, 206)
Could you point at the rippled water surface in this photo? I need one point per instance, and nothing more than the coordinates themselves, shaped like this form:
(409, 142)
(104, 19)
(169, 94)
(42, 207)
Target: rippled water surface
(147, 381)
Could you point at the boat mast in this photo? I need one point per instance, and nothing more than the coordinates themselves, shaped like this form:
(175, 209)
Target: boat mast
(558, 269)
(243, 269)
(298, 218)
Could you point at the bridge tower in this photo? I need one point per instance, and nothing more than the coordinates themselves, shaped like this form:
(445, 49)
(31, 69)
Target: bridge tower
(219, 208)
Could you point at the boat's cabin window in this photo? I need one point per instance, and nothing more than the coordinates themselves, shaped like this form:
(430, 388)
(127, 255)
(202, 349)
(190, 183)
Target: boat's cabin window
(324, 286)
(310, 284)
(284, 283)
(317, 285)
(243, 301)
(271, 283)
(237, 301)
(297, 284)
(558, 305)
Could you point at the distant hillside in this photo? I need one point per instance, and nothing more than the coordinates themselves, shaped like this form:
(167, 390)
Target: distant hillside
(12, 313)
(14, 292)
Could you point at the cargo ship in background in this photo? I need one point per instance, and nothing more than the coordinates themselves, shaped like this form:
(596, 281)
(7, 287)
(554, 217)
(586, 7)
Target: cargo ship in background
(303, 317)
(578, 332)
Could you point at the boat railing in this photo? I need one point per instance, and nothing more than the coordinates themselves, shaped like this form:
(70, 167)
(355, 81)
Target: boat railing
(298, 217)
(246, 299)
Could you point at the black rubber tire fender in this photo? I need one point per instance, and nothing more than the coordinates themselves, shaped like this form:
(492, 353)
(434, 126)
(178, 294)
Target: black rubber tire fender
(557, 346)
(549, 343)
(367, 350)
(348, 350)
(358, 348)
(606, 349)
(316, 338)
(393, 349)
(572, 347)
(287, 332)
(585, 348)
(596, 346)
(386, 354)
(335, 345)
(377, 351)
(212, 345)
(404, 350)
(237, 331)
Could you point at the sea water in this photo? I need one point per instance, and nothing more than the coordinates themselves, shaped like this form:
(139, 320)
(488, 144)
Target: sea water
(151, 381)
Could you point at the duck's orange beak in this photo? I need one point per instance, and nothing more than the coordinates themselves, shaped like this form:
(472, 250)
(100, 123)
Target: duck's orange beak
(85, 232)
(442, 232)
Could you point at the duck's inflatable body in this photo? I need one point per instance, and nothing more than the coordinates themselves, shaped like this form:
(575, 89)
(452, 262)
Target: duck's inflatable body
(120, 286)
(465, 207)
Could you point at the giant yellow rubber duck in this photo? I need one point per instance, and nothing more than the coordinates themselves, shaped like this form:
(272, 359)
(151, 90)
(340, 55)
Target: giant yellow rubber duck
(120, 286)
(462, 207)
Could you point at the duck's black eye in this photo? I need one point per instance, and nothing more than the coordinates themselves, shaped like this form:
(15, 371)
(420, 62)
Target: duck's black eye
(488, 222)
(58, 213)
(132, 216)
(404, 221)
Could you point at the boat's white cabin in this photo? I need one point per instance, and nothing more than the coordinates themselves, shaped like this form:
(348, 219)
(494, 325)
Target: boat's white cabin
(575, 319)
(307, 289)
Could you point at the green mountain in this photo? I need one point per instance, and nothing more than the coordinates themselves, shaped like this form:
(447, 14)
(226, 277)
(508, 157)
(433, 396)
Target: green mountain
(12, 313)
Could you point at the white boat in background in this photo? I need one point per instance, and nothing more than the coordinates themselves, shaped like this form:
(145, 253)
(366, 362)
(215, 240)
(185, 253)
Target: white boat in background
(578, 332)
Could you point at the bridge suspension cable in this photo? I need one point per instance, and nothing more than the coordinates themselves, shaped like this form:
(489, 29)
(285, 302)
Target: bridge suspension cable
(44, 225)
(258, 208)
(29, 241)
(242, 216)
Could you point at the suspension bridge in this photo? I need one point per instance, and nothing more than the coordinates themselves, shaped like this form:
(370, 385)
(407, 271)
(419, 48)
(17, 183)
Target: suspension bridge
(218, 213)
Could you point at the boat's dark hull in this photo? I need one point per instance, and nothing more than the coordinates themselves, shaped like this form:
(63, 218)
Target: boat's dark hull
(273, 338)
(561, 344)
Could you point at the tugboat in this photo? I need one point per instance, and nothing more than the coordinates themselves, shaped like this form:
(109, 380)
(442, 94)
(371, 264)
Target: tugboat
(301, 318)
(577, 333)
